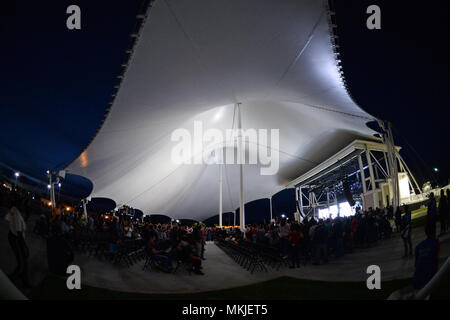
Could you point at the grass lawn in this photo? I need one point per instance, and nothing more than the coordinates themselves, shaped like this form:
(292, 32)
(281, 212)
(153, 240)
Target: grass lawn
(418, 222)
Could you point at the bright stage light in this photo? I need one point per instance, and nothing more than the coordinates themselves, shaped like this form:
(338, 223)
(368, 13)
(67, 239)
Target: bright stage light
(59, 185)
(17, 174)
(403, 185)
(333, 211)
(324, 213)
(436, 169)
(345, 209)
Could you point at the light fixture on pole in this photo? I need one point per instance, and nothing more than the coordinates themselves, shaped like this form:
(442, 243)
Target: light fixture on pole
(16, 174)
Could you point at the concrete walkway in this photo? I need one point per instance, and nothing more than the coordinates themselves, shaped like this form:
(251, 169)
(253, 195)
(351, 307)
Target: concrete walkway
(221, 272)
(38, 250)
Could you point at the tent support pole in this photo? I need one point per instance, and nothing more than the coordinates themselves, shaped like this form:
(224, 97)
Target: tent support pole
(52, 192)
(84, 208)
(270, 203)
(241, 171)
(363, 176)
(300, 198)
(220, 195)
(369, 163)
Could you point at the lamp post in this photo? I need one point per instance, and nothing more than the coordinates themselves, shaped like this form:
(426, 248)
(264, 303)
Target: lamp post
(16, 174)
(436, 176)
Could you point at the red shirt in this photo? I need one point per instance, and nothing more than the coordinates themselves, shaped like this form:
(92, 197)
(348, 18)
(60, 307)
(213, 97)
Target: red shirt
(295, 237)
(354, 225)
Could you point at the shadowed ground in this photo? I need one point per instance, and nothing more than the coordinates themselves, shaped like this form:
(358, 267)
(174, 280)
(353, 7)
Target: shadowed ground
(342, 278)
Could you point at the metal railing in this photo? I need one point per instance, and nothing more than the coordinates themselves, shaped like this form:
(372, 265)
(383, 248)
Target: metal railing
(434, 282)
(8, 290)
(410, 294)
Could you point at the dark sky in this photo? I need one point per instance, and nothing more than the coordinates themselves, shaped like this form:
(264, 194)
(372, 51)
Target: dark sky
(401, 73)
(56, 83)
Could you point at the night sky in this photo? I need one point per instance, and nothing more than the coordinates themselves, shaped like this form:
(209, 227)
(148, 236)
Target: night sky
(56, 83)
(401, 73)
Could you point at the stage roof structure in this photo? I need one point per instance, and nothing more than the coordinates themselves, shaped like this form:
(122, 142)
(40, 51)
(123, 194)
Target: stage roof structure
(194, 61)
(340, 158)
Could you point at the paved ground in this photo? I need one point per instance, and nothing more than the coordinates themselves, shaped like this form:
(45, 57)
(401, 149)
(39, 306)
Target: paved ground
(38, 252)
(220, 271)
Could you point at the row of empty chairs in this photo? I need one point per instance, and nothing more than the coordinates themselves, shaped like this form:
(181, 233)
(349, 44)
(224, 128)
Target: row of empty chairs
(97, 244)
(249, 256)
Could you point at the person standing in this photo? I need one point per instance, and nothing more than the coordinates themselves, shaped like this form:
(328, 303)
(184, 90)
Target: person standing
(91, 224)
(432, 214)
(448, 208)
(398, 219)
(406, 231)
(294, 238)
(114, 238)
(283, 233)
(16, 238)
(443, 211)
(427, 259)
(338, 234)
(197, 237)
(204, 235)
(320, 243)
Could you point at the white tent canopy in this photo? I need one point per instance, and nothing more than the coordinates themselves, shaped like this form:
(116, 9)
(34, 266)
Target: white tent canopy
(194, 60)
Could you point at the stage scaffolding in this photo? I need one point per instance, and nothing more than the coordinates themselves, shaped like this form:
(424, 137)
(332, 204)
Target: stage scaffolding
(367, 164)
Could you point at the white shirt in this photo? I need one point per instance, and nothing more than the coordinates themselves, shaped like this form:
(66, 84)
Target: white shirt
(129, 232)
(16, 222)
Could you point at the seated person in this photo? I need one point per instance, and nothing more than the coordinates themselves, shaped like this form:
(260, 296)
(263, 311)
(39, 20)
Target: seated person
(159, 255)
(41, 227)
(186, 254)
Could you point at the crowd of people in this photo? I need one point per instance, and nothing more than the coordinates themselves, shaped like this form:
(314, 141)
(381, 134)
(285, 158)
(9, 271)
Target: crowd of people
(165, 243)
(168, 243)
(315, 239)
